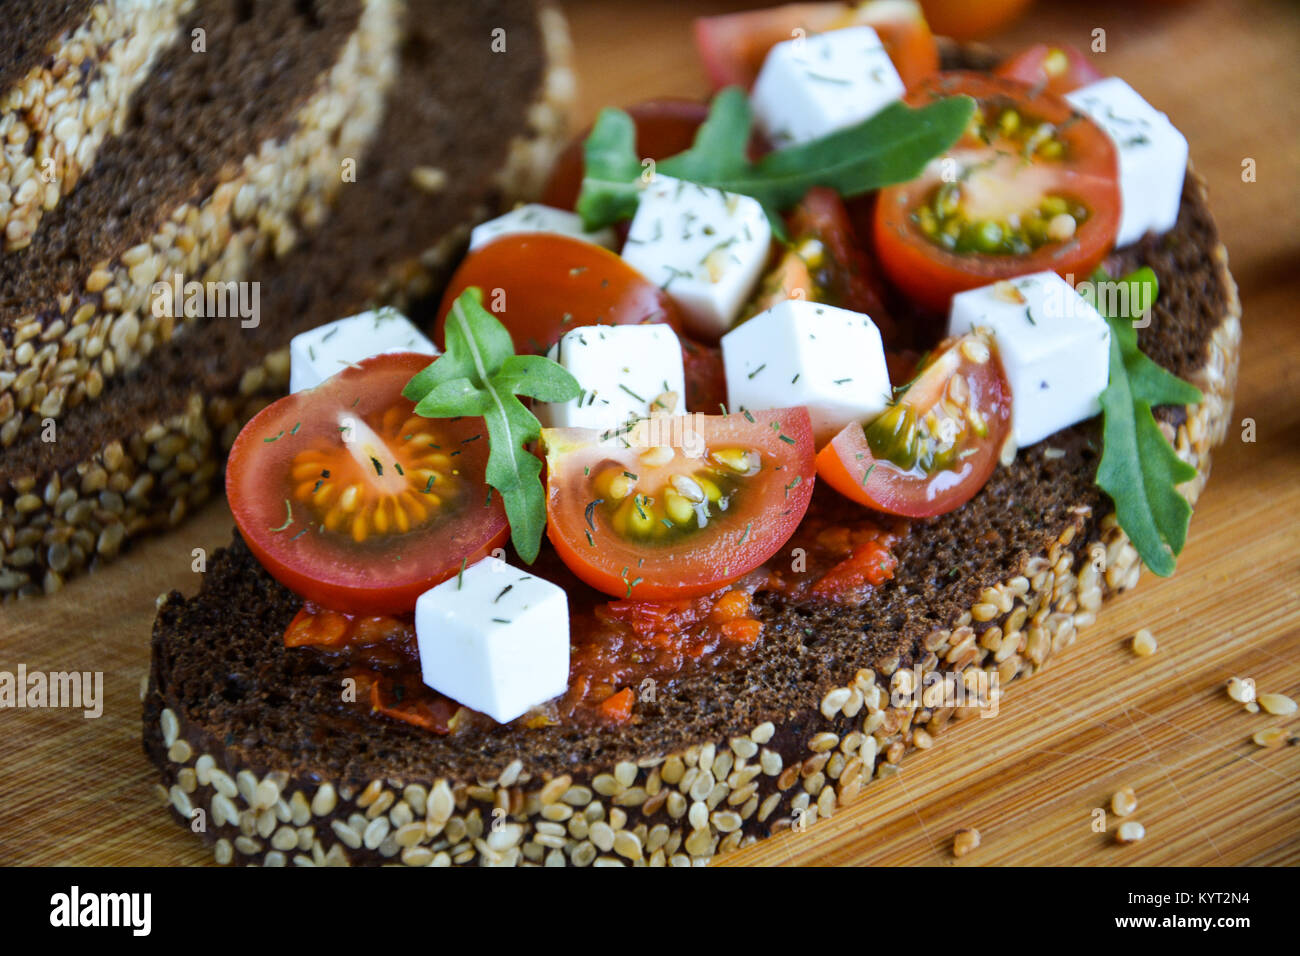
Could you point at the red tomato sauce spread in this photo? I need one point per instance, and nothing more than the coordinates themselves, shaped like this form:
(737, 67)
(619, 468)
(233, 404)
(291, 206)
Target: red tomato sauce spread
(618, 649)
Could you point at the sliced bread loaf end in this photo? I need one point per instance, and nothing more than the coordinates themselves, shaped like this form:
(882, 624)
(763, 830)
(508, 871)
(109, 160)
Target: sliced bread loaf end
(348, 173)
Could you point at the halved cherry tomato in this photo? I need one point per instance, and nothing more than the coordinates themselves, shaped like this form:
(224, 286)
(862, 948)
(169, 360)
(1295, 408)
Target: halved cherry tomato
(356, 503)
(937, 445)
(683, 506)
(1056, 67)
(1032, 186)
(542, 285)
(825, 262)
(971, 19)
(664, 127)
(733, 46)
(905, 34)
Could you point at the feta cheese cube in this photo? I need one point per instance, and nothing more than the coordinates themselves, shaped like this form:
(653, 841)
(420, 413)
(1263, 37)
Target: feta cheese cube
(495, 639)
(805, 353)
(813, 86)
(321, 352)
(534, 217)
(706, 248)
(1152, 155)
(623, 371)
(1055, 349)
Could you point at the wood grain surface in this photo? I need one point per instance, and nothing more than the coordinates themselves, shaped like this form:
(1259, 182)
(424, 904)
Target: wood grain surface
(76, 790)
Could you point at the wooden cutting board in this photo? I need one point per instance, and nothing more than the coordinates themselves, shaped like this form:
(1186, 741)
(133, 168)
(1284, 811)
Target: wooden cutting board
(76, 790)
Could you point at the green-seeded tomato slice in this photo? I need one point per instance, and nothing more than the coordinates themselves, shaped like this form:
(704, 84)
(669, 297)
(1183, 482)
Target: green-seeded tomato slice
(678, 506)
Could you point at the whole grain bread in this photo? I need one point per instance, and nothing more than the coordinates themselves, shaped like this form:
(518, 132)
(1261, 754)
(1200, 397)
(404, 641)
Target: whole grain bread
(28, 30)
(256, 733)
(460, 130)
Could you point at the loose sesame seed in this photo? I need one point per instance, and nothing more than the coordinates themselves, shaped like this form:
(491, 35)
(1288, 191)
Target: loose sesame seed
(1124, 802)
(1277, 704)
(1144, 643)
(1242, 691)
(965, 840)
(1130, 831)
(1272, 737)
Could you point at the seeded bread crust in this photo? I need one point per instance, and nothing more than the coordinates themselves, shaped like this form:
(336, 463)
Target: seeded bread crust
(148, 451)
(205, 189)
(66, 84)
(243, 729)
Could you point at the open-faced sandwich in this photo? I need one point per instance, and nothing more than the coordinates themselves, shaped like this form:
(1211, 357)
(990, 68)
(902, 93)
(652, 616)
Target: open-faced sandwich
(792, 428)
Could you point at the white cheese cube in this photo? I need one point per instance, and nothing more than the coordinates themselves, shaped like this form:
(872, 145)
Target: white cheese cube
(810, 87)
(495, 639)
(706, 248)
(317, 354)
(1055, 349)
(623, 370)
(805, 353)
(534, 217)
(1152, 155)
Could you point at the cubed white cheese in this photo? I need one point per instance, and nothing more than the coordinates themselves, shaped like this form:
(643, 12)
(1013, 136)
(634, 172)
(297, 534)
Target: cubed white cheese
(327, 349)
(804, 353)
(706, 248)
(1055, 348)
(813, 86)
(623, 371)
(495, 639)
(1152, 155)
(534, 217)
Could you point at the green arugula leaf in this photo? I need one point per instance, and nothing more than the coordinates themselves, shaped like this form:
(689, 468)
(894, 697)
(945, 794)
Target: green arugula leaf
(718, 150)
(459, 396)
(537, 377)
(1139, 469)
(611, 169)
(479, 374)
(891, 147)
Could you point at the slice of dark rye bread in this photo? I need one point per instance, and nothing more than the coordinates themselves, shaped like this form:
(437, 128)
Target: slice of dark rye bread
(138, 451)
(256, 736)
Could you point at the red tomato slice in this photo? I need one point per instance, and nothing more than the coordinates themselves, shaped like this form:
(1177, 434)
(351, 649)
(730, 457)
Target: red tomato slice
(542, 285)
(971, 19)
(902, 28)
(909, 463)
(1033, 186)
(826, 263)
(733, 46)
(1057, 68)
(664, 127)
(353, 501)
(688, 505)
